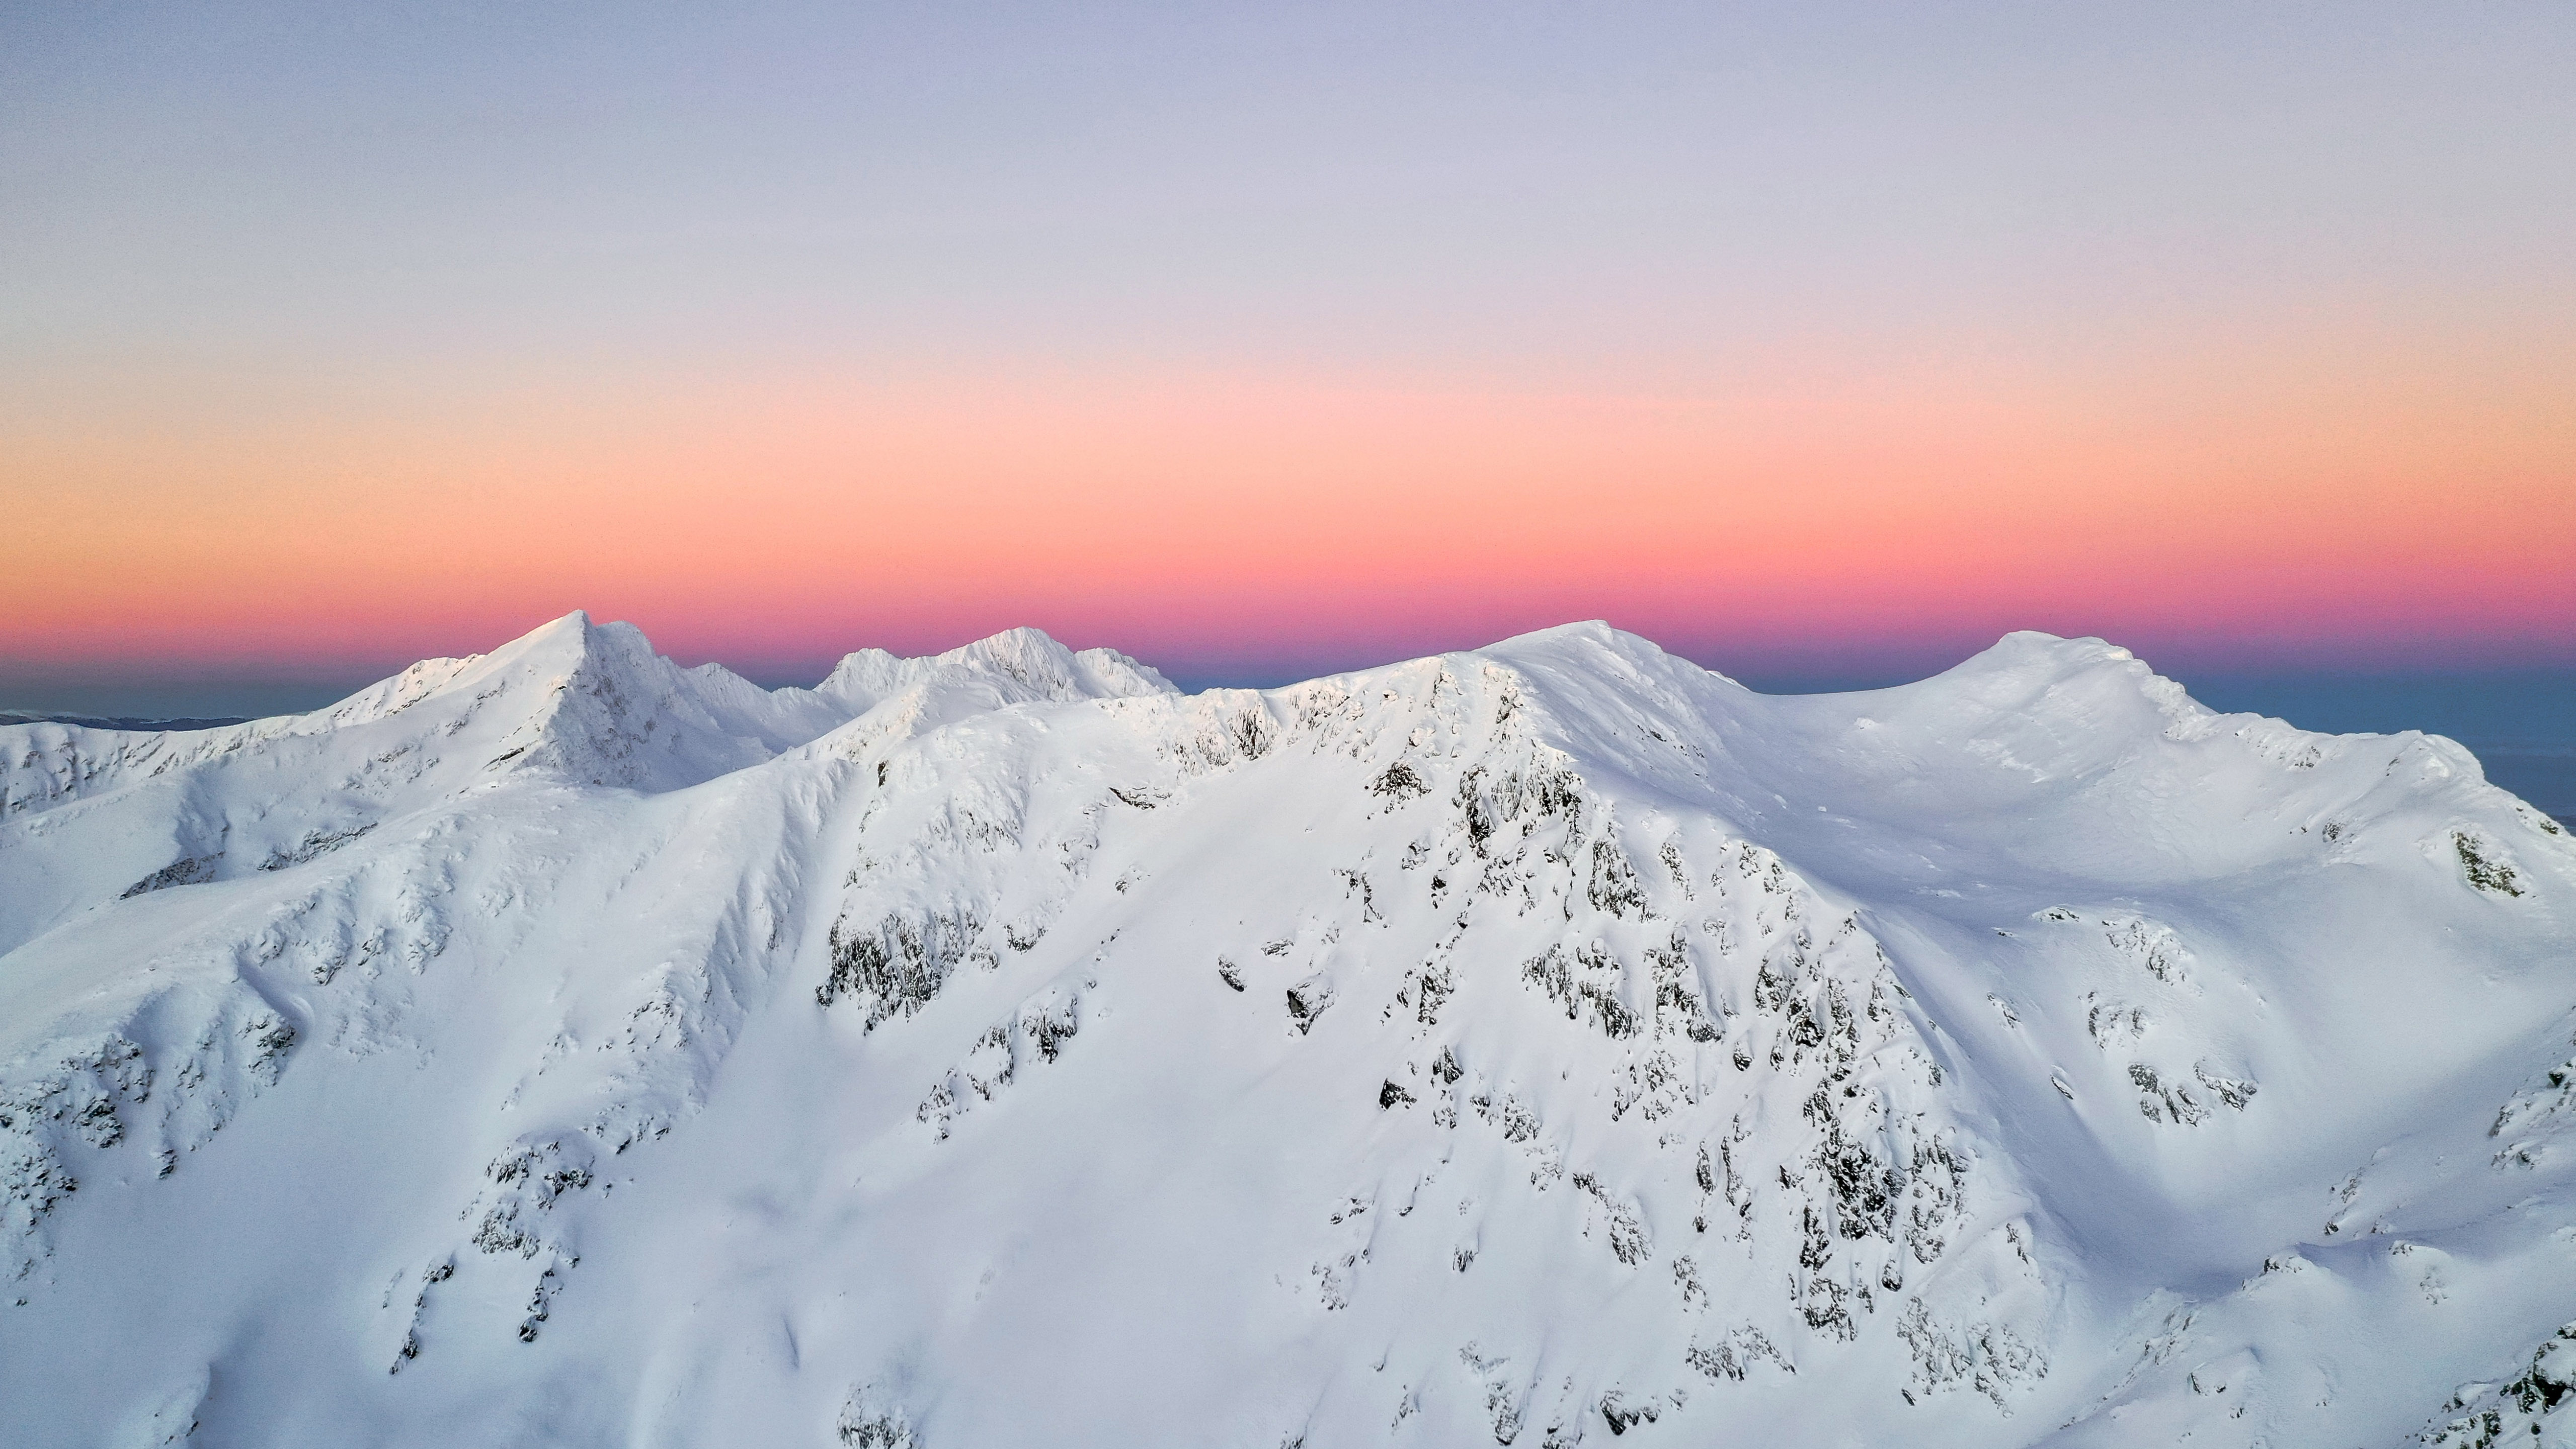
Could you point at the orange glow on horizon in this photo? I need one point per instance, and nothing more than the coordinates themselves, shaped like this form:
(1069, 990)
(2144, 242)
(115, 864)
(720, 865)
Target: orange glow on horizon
(1210, 516)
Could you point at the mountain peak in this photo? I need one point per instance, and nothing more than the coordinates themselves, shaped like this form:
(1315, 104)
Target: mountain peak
(1524, 1045)
(1023, 662)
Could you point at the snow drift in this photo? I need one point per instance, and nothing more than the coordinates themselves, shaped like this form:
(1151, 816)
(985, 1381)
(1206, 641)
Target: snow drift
(1529, 1046)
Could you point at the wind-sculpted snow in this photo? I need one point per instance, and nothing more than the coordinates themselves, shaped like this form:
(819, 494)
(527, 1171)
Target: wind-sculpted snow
(1531, 1046)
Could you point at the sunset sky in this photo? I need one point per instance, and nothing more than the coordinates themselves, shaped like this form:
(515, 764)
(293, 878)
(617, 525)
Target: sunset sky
(1262, 340)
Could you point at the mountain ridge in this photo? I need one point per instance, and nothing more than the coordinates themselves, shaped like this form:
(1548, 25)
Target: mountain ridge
(1516, 1045)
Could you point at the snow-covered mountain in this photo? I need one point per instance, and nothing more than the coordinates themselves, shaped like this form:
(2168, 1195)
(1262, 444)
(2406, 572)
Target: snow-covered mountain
(1532, 1046)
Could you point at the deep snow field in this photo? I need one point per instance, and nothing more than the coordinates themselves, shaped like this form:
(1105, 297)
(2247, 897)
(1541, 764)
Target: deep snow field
(1534, 1046)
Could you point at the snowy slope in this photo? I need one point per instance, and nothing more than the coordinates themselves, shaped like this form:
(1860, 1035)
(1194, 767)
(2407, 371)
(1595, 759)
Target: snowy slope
(1530, 1046)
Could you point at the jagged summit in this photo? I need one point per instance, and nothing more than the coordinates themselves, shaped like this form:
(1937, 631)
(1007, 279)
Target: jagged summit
(572, 701)
(1530, 1045)
(1021, 664)
(633, 688)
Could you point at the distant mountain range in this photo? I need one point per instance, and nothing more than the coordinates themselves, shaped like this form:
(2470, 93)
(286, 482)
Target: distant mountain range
(110, 722)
